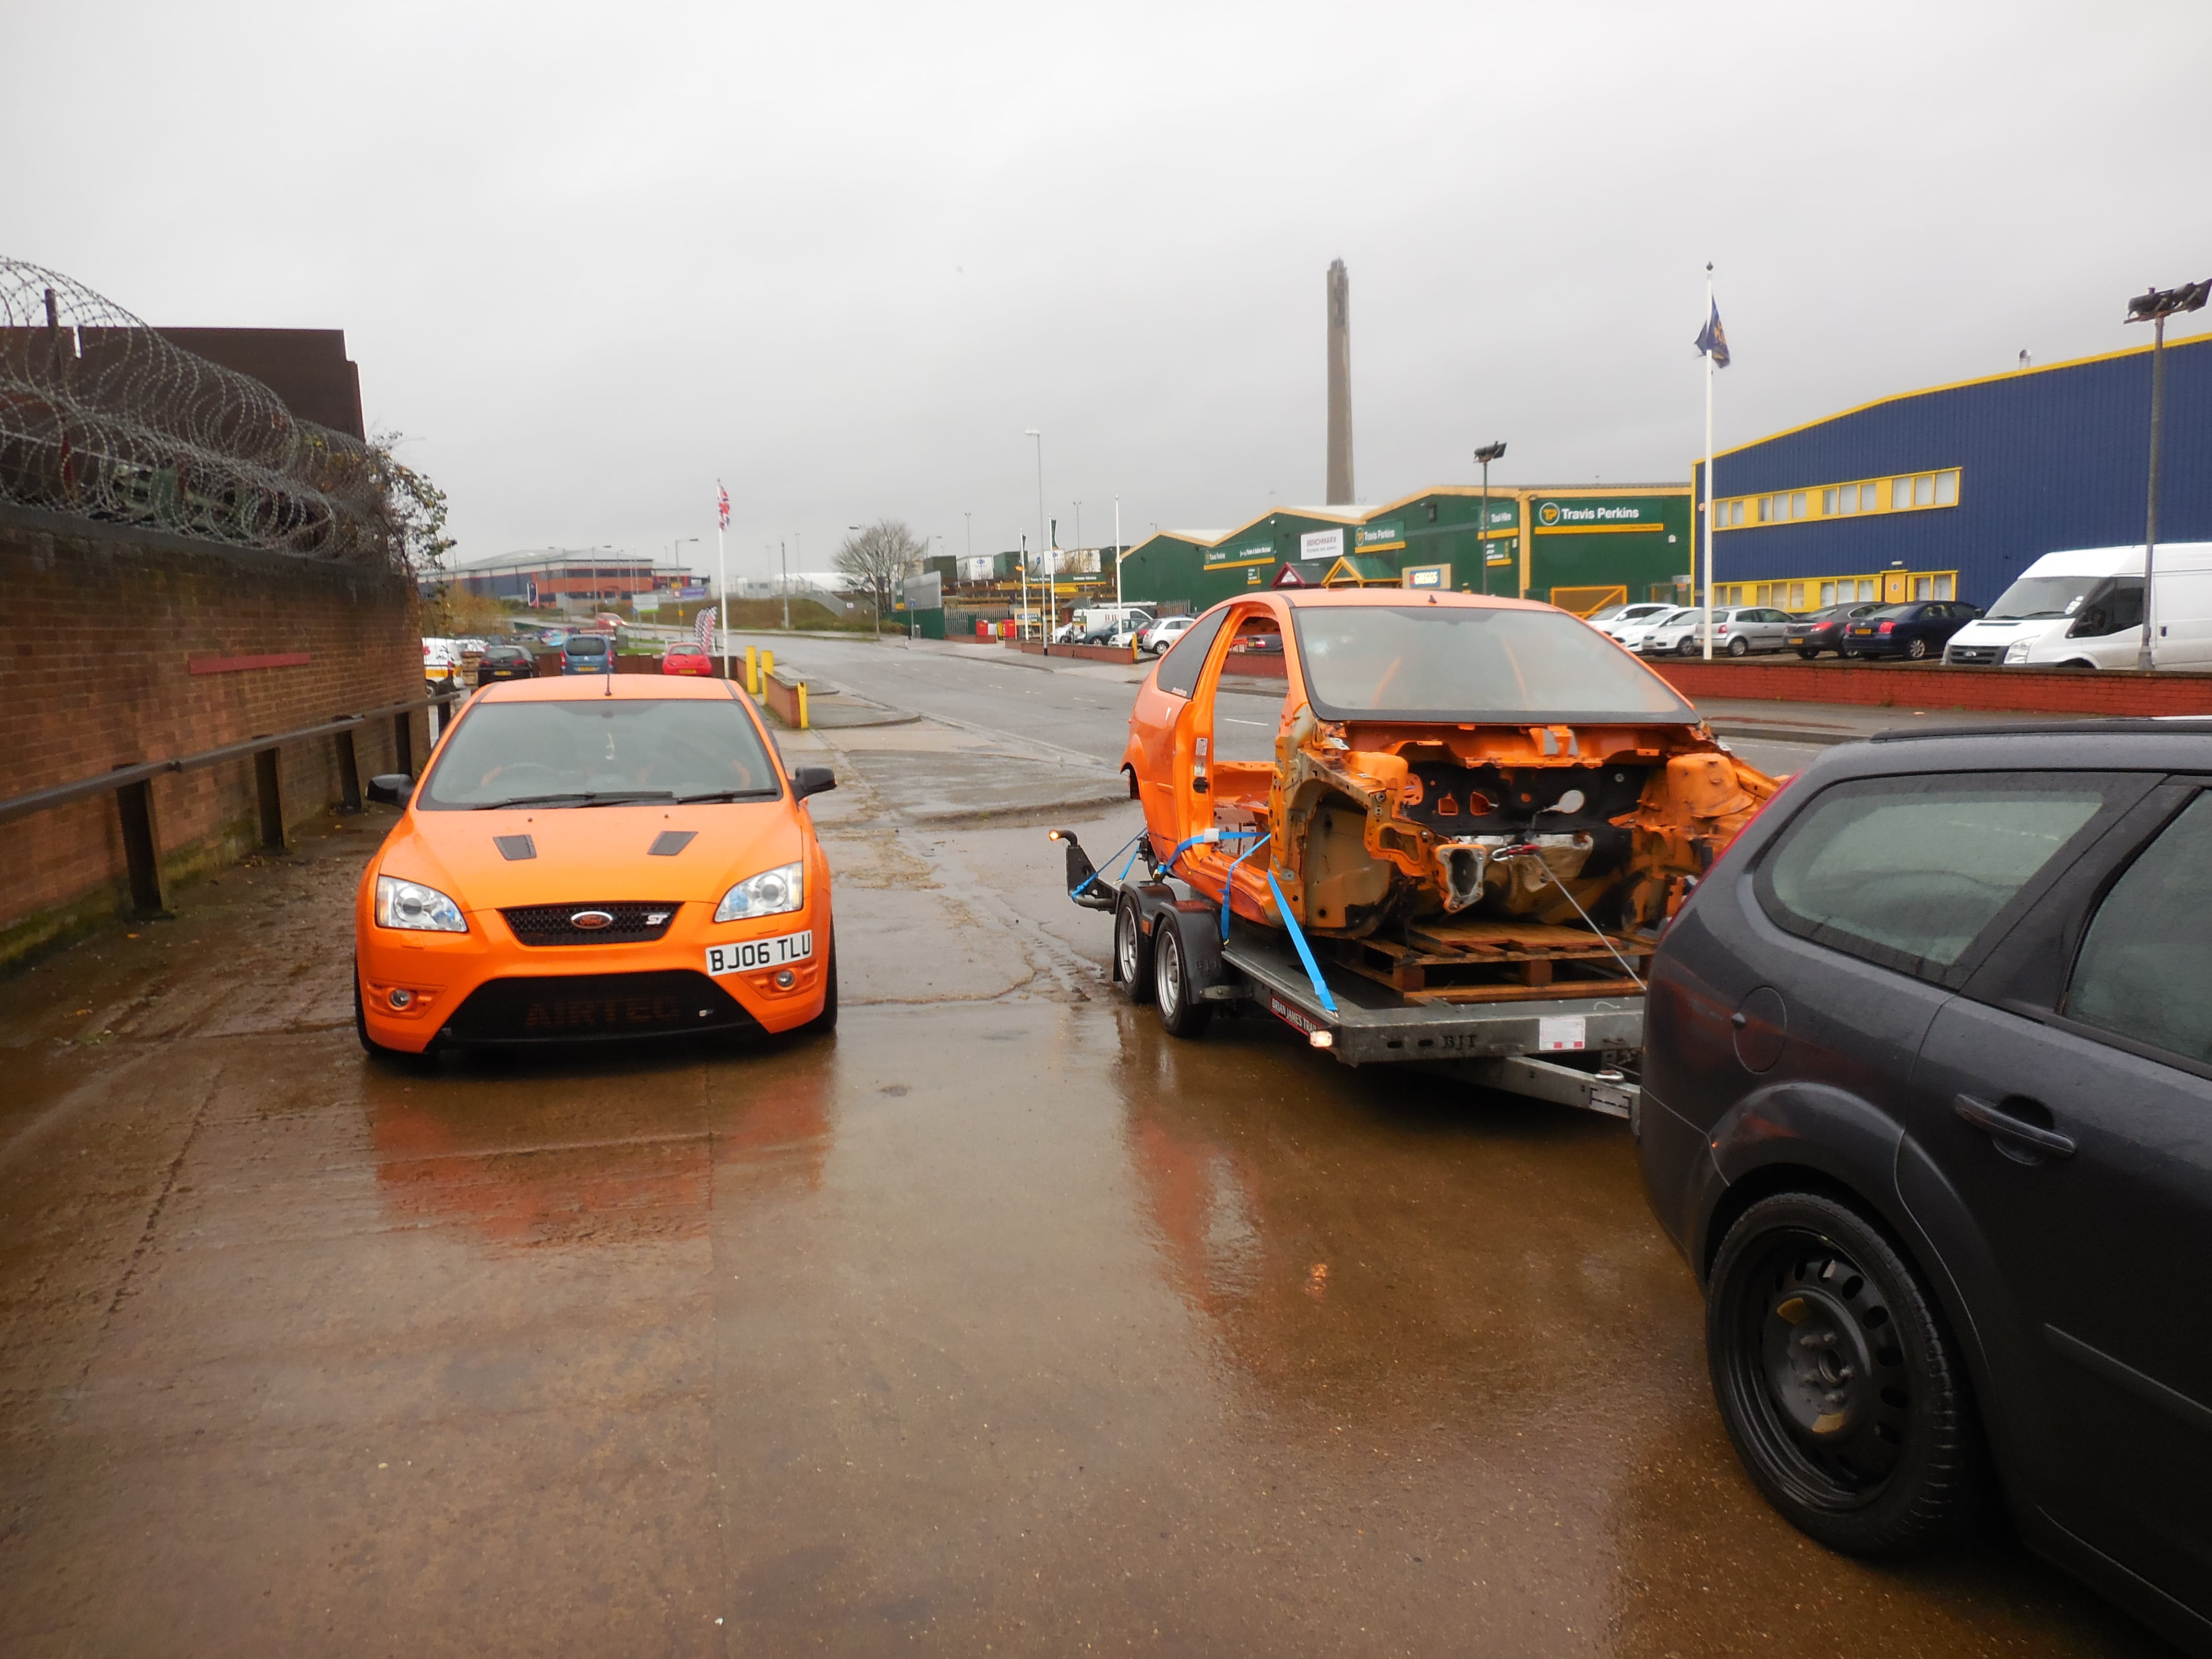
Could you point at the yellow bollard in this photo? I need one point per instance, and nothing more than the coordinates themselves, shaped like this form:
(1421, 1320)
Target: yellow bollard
(768, 662)
(752, 671)
(802, 704)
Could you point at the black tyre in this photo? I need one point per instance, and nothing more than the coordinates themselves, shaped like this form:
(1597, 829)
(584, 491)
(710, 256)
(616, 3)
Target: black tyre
(1837, 1378)
(1133, 950)
(1739, 647)
(1915, 649)
(1853, 655)
(1181, 1011)
(826, 1021)
(1807, 655)
(1688, 647)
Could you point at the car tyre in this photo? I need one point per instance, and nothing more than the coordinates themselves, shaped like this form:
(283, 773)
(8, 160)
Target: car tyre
(1852, 655)
(1837, 1378)
(1739, 647)
(1806, 655)
(1688, 648)
(1133, 950)
(1181, 1012)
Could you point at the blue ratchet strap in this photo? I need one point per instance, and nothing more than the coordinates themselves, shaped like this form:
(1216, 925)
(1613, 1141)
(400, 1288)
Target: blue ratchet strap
(1229, 886)
(1305, 952)
(1128, 846)
(1205, 838)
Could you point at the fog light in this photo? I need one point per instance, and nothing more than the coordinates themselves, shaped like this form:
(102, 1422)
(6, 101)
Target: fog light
(785, 979)
(400, 999)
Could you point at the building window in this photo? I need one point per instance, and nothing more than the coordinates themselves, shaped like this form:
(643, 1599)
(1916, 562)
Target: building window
(1906, 493)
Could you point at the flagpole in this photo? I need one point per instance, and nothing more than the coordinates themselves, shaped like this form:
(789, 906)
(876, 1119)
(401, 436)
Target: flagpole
(722, 579)
(1709, 470)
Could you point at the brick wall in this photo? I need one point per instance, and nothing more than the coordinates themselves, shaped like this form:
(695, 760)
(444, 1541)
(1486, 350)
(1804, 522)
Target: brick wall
(96, 671)
(1931, 685)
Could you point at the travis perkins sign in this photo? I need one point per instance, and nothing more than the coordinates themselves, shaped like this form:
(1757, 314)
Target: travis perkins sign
(1560, 515)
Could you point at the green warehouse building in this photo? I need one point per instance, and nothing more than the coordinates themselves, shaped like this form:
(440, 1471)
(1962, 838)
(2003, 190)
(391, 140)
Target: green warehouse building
(1578, 548)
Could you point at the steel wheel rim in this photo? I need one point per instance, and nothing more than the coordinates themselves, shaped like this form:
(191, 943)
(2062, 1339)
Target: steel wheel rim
(1820, 1371)
(1125, 945)
(1168, 955)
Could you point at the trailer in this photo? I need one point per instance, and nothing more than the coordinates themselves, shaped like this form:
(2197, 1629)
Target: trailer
(1172, 950)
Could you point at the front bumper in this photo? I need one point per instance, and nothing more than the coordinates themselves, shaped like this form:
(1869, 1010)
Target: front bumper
(485, 986)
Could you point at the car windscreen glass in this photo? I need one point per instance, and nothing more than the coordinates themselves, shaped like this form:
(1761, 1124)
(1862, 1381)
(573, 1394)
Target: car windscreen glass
(2145, 968)
(1910, 872)
(571, 752)
(2036, 597)
(1179, 669)
(1461, 663)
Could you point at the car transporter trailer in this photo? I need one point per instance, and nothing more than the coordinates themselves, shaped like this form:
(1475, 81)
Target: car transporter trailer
(1171, 947)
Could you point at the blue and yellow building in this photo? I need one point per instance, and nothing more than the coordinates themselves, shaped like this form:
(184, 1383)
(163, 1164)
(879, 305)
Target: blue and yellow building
(1950, 492)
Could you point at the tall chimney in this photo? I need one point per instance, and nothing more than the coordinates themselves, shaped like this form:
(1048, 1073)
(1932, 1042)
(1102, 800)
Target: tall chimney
(1340, 492)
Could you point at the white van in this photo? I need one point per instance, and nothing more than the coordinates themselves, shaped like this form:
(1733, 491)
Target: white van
(2083, 609)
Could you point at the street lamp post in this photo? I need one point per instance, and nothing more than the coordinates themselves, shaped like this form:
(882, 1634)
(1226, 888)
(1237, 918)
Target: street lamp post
(1486, 455)
(2154, 305)
(1032, 432)
(783, 582)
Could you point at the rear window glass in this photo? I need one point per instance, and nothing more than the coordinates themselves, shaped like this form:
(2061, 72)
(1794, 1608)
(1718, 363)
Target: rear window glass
(589, 645)
(2145, 968)
(1911, 872)
(598, 749)
(1453, 662)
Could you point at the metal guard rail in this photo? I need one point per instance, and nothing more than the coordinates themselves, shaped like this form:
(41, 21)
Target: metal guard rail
(132, 785)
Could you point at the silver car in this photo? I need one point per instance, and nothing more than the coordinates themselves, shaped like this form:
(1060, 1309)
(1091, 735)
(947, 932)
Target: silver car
(1738, 630)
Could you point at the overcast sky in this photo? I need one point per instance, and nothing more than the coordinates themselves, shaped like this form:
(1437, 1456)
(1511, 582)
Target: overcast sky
(593, 258)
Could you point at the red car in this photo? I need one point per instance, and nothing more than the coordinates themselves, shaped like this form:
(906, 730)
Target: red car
(686, 659)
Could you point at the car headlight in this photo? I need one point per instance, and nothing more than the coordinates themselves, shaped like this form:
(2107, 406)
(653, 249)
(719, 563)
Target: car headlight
(410, 904)
(2016, 652)
(771, 893)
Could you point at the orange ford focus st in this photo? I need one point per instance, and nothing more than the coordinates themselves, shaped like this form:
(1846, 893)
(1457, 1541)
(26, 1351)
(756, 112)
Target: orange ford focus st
(596, 857)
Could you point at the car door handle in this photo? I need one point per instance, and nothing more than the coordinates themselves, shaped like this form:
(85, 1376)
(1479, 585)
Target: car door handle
(2003, 1126)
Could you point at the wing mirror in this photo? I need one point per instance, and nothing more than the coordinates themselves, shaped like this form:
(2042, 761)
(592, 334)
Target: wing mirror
(392, 788)
(811, 780)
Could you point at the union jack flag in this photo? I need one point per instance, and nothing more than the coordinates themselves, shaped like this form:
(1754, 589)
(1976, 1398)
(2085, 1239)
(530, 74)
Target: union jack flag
(707, 629)
(725, 494)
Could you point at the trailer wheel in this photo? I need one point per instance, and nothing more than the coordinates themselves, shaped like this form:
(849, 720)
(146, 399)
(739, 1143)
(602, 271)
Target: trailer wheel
(1181, 1012)
(1133, 950)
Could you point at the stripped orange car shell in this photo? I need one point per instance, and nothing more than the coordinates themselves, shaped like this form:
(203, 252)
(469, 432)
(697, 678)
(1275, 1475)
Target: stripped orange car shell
(417, 987)
(1367, 817)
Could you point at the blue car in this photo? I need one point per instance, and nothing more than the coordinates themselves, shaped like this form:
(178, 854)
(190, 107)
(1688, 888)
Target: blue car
(587, 654)
(1915, 631)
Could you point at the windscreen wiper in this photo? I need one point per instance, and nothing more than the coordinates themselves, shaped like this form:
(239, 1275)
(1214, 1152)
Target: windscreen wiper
(578, 798)
(727, 794)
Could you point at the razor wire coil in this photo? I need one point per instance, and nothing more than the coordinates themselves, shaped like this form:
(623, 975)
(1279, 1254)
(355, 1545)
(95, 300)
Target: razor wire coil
(103, 418)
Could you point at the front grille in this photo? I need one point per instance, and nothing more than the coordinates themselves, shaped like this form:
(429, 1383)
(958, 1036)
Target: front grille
(633, 923)
(586, 1008)
(1972, 653)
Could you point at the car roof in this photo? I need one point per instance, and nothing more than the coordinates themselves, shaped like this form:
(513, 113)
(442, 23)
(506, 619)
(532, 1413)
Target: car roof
(634, 687)
(1307, 598)
(2118, 744)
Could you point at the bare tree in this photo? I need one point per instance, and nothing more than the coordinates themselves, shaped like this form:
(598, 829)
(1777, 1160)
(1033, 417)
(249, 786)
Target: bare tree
(875, 558)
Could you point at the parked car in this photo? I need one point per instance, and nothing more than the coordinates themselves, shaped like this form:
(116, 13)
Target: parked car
(1738, 630)
(1619, 621)
(1929, 1064)
(1816, 631)
(1634, 634)
(686, 657)
(587, 654)
(1915, 630)
(441, 663)
(698, 901)
(1163, 634)
(505, 662)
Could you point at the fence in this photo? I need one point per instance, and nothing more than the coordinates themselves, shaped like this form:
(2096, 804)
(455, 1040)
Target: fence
(133, 787)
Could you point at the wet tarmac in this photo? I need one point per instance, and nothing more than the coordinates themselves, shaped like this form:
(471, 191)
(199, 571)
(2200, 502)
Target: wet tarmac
(998, 1321)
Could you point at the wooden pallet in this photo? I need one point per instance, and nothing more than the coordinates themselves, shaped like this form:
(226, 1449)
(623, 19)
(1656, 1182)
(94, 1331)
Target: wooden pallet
(1466, 960)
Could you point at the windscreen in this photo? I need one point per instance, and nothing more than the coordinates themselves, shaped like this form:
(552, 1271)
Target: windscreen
(2033, 597)
(598, 751)
(1437, 662)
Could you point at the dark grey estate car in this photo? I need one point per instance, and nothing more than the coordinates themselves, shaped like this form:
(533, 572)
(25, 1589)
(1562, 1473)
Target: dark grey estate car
(1927, 1105)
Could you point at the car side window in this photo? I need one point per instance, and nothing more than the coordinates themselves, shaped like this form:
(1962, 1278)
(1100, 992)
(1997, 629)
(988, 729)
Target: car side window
(2145, 967)
(1179, 669)
(1909, 872)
